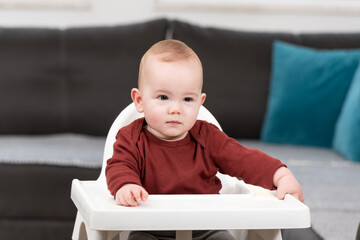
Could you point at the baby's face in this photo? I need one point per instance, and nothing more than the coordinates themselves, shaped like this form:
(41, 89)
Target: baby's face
(171, 97)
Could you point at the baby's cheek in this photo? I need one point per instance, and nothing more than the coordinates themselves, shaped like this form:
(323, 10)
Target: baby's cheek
(153, 117)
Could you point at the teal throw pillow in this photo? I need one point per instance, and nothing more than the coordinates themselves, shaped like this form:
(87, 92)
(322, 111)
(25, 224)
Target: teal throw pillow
(347, 131)
(308, 87)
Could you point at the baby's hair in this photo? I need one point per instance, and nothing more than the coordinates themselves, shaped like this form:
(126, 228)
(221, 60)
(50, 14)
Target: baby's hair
(169, 51)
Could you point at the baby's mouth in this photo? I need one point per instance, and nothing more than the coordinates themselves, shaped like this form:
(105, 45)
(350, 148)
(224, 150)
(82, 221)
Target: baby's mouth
(174, 122)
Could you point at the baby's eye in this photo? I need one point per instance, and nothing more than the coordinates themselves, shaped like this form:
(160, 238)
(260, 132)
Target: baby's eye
(163, 97)
(188, 99)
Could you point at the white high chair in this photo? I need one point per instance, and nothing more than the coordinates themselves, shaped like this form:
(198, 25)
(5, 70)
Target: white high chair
(249, 212)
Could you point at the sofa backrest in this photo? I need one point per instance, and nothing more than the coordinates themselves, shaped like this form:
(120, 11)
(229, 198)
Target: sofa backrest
(237, 68)
(72, 80)
(79, 79)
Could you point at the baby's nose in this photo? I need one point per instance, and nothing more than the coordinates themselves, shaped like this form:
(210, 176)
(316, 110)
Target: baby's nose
(175, 108)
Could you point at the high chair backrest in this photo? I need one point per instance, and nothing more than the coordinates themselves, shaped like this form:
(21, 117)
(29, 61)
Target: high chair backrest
(128, 115)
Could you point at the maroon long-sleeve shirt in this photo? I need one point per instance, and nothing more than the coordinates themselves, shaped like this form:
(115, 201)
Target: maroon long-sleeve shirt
(187, 166)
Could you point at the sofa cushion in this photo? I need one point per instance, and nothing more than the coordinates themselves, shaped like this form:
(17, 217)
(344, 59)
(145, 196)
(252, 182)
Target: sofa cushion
(39, 191)
(33, 228)
(307, 92)
(32, 94)
(36, 173)
(70, 80)
(103, 65)
(347, 132)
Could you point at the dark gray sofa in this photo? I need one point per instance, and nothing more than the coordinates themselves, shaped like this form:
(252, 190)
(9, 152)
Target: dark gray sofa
(60, 90)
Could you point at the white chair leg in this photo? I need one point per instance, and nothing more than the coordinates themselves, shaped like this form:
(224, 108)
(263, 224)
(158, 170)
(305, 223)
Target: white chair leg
(266, 234)
(96, 235)
(124, 235)
(79, 232)
(113, 235)
(239, 234)
(184, 235)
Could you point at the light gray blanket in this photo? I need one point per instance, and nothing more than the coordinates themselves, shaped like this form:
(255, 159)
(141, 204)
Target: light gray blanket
(58, 149)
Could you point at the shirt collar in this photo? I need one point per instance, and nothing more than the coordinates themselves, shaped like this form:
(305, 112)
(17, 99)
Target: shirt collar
(195, 133)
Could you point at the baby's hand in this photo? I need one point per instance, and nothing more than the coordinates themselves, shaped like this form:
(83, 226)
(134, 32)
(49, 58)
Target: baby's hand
(287, 184)
(130, 195)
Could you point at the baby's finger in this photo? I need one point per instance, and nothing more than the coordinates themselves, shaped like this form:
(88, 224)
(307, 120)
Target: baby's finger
(120, 200)
(296, 195)
(299, 196)
(144, 195)
(280, 194)
(130, 200)
(302, 198)
(137, 195)
(117, 200)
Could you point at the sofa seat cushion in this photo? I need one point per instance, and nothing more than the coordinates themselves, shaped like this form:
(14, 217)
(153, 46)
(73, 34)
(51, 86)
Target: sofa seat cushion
(329, 182)
(36, 173)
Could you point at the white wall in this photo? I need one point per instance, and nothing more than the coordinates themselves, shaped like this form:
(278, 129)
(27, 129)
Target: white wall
(112, 12)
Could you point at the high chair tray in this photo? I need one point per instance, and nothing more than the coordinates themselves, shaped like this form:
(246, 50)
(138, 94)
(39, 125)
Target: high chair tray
(188, 212)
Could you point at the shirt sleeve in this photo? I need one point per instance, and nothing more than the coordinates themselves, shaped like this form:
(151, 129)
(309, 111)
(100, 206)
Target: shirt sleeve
(123, 167)
(252, 165)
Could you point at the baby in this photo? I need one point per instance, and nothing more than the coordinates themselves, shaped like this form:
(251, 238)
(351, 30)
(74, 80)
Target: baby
(169, 151)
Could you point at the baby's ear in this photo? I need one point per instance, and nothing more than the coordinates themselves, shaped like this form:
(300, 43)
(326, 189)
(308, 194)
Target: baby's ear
(136, 97)
(203, 97)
